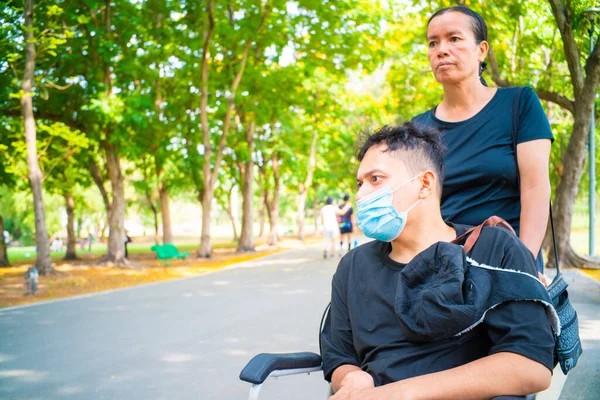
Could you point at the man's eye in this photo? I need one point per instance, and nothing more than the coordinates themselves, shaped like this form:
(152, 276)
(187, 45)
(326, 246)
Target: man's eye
(454, 39)
(432, 44)
(358, 184)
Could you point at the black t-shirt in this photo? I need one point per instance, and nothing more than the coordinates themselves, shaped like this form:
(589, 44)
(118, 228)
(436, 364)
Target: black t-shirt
(480, 167)
(347, 217)
(362, 326)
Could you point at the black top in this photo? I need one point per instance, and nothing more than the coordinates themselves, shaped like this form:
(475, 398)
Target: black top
(347, 217)
(480, 167)
(362, 328)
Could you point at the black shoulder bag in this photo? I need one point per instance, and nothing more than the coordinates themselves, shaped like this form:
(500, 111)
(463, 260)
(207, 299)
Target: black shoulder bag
(568, 345)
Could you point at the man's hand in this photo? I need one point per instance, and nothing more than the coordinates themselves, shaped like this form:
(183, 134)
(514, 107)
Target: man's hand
(355, 386)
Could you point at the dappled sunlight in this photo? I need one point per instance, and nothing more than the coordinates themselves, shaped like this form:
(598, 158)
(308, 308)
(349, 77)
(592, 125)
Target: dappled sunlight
(237, 352)
(294, 292)
(589, 328)
(277, 262)
(24, 375)
(69, 390)
(177, 357)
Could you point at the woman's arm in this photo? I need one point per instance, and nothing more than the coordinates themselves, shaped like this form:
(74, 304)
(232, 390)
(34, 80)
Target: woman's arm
(533, 157)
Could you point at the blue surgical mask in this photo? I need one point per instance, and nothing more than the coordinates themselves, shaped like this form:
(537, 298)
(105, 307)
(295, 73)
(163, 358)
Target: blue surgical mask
(377, 217)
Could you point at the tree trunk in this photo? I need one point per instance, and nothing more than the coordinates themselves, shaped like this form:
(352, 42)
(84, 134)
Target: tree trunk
(155, 216)
(273, 207)
(116, 236)
(205, 249)
(229, 211)
(303, 187)
(246, 243)
(585, 81)
(3, 253)
(99, 181)
(71, 242)
(261, 216)
(315, 212)
(165, 213)
(566, 192)
(43, 261)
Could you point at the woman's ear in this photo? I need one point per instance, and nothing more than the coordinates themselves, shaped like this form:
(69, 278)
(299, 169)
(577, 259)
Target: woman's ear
(428, 182)
(482, 50)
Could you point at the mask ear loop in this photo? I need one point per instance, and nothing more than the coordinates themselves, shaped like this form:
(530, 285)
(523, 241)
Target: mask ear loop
(405, 183)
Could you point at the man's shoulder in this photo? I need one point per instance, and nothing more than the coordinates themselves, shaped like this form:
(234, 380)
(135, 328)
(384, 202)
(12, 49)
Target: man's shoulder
(361, 254)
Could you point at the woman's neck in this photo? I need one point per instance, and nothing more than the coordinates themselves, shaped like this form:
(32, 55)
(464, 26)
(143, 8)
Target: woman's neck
(462, 100)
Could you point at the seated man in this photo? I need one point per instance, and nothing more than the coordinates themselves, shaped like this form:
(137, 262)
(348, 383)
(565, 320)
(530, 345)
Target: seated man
(412, 316)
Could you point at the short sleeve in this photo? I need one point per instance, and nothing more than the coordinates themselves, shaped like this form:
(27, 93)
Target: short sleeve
(521, 327)
(533, 123)
(337, 345)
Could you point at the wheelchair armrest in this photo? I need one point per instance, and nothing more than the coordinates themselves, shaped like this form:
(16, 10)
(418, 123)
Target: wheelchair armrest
(261, 366)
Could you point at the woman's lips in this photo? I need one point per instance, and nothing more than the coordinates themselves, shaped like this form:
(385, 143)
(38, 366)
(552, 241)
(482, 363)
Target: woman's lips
(444, 65)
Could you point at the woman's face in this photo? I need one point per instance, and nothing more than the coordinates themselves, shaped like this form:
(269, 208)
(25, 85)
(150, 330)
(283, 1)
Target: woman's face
(453, 53)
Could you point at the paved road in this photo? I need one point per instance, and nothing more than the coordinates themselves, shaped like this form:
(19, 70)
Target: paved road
(189, 339)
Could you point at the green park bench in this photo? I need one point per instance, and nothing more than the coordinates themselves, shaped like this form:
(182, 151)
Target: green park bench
(166, 252)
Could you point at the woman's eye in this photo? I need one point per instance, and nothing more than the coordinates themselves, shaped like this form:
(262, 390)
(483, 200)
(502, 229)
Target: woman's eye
(454, 39)
(375, 178)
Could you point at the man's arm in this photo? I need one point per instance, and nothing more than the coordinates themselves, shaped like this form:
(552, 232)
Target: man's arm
(342, 211)
(351, 377)
(496, 375)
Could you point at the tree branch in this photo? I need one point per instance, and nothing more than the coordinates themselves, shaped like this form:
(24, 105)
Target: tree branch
(553, 97)
(562, 15)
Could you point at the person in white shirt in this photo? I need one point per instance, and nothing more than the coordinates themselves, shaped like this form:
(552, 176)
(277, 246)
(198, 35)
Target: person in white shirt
(331, 228)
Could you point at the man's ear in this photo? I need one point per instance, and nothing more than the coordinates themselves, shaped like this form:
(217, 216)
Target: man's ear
(428, 184)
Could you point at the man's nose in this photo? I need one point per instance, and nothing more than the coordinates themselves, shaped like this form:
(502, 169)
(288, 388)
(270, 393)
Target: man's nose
(362, 192)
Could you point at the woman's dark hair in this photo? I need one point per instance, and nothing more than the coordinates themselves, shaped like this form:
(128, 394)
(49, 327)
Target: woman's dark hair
(478, 26)
(422, 149)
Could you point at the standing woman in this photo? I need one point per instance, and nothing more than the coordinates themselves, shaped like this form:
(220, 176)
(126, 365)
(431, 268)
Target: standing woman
(482, 178)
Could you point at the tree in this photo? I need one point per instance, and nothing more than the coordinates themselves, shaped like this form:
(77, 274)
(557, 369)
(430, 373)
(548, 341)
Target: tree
(43, 260)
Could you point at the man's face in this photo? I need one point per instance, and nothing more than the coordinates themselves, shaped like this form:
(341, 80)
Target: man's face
(379, 169)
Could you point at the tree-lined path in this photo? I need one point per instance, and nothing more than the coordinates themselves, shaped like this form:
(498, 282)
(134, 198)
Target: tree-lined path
(189, 339)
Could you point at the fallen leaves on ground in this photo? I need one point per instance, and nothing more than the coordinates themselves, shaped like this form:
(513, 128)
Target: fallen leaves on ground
(87, 276)
(594, 273)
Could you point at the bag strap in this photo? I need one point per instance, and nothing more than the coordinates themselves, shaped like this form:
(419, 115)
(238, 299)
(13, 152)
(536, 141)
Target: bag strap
(515, 130)
(472, 234)
(554, 243)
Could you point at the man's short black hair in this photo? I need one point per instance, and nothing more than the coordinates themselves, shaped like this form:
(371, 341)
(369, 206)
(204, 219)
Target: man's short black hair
(422, 149)
(329, 200)
(346, 197)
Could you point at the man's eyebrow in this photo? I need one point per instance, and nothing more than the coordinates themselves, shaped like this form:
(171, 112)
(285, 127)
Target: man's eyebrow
(370, 172)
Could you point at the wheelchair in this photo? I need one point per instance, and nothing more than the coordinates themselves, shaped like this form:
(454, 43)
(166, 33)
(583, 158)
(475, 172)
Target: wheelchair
(275, 365)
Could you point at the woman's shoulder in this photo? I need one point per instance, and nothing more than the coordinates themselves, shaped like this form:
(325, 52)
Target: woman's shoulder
(424, 120)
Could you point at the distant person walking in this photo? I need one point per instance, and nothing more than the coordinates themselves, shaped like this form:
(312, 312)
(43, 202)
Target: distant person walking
(346, 224)
(127, 240)
(331, 228)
